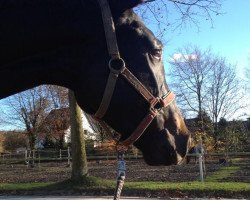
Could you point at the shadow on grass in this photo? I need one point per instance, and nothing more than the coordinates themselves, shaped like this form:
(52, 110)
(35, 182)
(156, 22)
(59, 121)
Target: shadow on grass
(92, 186)
(86, 183)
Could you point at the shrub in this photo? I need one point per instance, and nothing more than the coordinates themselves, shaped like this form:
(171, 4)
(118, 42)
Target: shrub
(14, 140)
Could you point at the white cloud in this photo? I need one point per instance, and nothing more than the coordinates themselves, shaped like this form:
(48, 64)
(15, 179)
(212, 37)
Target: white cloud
(181, 57)
(177, 56)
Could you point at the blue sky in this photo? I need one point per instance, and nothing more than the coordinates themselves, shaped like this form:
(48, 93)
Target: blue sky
(229, 37)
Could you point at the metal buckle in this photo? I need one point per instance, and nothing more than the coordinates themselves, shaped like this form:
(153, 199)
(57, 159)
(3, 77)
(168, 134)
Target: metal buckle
(155, 106)
(116, 65)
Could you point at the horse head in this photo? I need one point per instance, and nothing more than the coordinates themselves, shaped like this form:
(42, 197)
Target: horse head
(166, 139)
(63, 42)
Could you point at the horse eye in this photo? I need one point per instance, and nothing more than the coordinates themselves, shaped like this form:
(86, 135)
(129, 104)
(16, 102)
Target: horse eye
(156, 54)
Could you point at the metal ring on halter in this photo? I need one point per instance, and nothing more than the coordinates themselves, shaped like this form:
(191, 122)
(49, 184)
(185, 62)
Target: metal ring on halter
(116, 65)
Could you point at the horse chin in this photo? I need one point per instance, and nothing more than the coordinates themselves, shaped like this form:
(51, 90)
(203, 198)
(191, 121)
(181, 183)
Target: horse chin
(165, 149)
(155, 160)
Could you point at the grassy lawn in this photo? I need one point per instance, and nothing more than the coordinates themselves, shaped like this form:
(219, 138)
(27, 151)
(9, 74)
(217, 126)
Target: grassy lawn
(213, 186)
(224, 172)
(189, 186)
(151, 186)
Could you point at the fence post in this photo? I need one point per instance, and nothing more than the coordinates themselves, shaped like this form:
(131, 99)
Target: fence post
(39, 161)
(33, 157)
(203, 164)
(68, 156)
(26, 157)
(201, 168)
(25, 154)
(60, 154)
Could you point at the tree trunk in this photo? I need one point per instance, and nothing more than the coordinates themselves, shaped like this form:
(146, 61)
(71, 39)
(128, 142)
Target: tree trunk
(32, 140)
(79, 158)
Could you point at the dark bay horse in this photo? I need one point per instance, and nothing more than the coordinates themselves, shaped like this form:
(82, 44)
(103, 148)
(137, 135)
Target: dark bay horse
(62, 42)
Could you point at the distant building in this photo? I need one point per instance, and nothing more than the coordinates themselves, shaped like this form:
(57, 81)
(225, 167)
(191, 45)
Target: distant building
(57, 124)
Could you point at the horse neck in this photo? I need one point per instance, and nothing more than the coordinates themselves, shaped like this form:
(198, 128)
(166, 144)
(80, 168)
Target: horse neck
(49, 69)
(39, 43)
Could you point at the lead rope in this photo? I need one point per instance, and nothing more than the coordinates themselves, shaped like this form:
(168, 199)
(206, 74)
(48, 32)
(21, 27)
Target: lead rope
(121, 168)
(121, 163)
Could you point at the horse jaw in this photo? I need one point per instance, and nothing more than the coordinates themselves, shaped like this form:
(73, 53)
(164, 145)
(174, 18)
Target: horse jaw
(167, 140)
(164, 150)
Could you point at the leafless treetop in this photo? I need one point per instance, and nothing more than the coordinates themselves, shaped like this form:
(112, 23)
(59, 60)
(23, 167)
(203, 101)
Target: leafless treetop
(177, 14)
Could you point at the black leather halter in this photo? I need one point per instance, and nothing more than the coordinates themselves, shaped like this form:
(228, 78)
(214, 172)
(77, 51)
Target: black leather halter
(118, 67)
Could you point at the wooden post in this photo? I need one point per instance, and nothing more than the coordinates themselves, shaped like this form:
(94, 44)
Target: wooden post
(26, 157)
(33, 157)
(201, 168)
(68, 156)
(39, 161)
(25, 154)
(60, 154)
(203, 165)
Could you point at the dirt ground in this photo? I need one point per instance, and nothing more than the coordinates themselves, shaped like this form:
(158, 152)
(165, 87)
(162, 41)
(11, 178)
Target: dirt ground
(137, 170)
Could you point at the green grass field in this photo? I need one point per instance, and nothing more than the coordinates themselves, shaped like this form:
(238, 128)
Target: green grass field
(151, 186)
(214, 186)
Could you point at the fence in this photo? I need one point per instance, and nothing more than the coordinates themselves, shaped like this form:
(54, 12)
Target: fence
(57, 155)
(222, 158)
(38, 156)
(27, 156)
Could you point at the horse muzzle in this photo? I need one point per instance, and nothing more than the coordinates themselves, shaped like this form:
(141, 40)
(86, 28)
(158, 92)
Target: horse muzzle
(166, 149)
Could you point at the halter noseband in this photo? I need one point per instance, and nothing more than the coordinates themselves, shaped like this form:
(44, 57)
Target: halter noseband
(118, 67)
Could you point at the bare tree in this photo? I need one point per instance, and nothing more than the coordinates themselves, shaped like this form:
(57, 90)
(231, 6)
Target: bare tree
(28, 110)
(188, 72)
(176, 14)
(206, 83)
(224, 94)
(1, 120)
(58, 96)
(247, 75)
